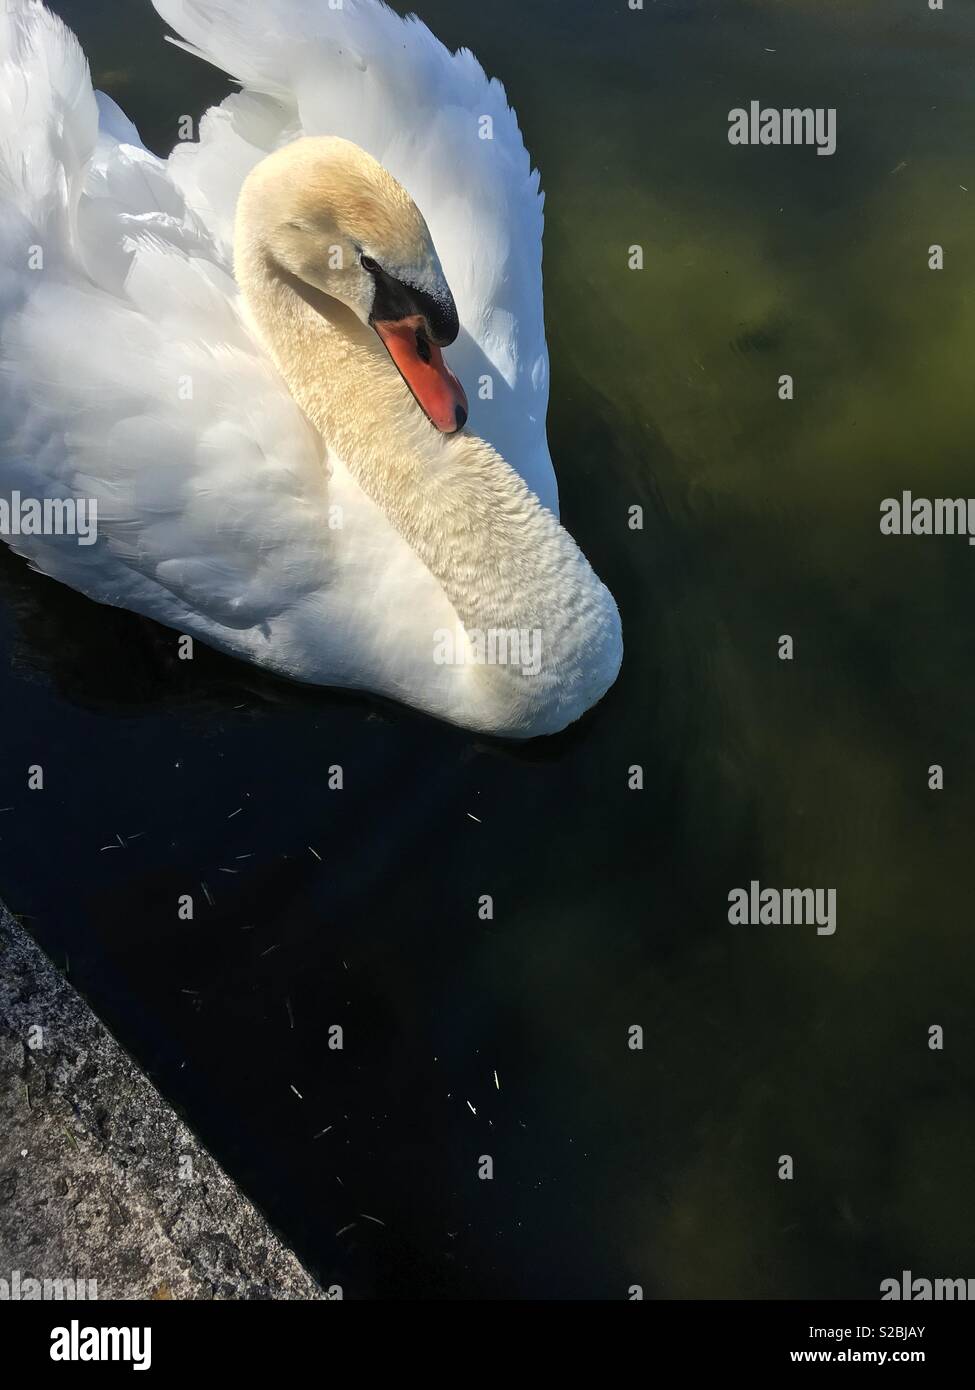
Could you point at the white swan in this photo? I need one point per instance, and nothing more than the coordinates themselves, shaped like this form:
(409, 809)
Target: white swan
(266, 479)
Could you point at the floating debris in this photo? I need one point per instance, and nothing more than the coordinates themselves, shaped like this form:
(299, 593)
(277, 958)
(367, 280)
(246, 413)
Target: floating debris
(497, 1083)
(271, 948)
(473, 817)
(323, 1131)
(291, 1017)
(228, 871)
(316, 854)
(472, 1110)
(345, 1228)
(297, 1092)
(366, 1217)
(206, 892)
(235, 813)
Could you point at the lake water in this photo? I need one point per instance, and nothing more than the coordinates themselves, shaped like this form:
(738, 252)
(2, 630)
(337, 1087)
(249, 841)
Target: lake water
(510, 1038)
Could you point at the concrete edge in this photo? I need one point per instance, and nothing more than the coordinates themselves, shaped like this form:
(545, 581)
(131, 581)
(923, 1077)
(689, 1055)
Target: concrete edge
(99, 1178)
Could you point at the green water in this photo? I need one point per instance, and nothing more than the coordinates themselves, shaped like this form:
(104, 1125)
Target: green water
(761, 518)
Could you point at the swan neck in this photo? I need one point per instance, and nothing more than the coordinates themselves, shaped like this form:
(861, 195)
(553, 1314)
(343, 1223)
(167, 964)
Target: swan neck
(431, 486)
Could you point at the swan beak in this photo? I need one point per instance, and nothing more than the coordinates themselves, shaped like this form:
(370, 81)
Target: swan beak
(437, 391)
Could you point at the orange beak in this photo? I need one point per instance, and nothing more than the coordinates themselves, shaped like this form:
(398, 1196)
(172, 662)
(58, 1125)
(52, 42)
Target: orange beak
(420, 362)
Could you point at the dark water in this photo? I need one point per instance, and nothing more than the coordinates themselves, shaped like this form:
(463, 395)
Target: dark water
(612, 1167)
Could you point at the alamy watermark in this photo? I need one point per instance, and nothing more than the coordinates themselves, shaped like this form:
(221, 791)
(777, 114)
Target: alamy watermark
(495, 646)
(766, 125)
(21, 1288)
(913, 1290)
(908, 515)
(757, 906)
(77, 1343)
(50, 516)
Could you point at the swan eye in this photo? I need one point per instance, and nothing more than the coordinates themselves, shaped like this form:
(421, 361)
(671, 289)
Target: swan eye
(369, 264)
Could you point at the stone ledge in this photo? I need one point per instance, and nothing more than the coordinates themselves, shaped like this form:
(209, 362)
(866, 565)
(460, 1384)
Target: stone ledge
(91, 1159)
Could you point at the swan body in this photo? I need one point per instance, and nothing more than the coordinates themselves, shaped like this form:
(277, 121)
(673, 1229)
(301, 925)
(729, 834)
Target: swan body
(251, 356)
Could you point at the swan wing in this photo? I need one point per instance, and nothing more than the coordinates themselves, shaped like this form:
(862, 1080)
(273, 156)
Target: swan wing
(128, 377)
(440, 126)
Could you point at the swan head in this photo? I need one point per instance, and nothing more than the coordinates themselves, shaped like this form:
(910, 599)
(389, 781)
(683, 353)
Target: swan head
(326, 213)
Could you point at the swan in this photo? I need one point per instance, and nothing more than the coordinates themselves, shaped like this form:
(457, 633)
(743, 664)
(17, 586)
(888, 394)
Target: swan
(298, 370)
